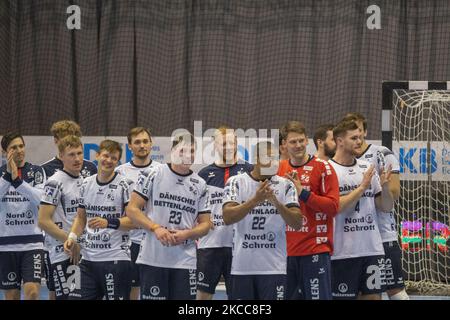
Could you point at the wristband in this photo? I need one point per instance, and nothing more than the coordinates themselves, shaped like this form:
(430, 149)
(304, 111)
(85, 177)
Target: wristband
(154, 227)
(113, 223)
(304, 195)
(72, 236)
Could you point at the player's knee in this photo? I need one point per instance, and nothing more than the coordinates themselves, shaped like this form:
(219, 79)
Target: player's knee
(13, 294)
(134, 293)
(31, 292)
(202, 295)
(402, 295)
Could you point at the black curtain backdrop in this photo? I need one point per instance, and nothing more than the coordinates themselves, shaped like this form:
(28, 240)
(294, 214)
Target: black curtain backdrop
(248, 64)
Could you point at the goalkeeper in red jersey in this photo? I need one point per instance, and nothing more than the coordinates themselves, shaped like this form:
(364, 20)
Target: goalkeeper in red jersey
(309, 249)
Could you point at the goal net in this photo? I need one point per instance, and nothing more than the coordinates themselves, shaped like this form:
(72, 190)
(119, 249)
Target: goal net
(421, 139)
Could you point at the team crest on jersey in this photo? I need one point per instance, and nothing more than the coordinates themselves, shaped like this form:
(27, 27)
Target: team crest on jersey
(38, 178)
(192, 189)
(271, 236)
(307, 168)
(113, 186)
(30, 174)
(369, 218)
(194, 180)
(85, 173)
(363, 166)
(105, 236)
(29, 214)
(110, 196)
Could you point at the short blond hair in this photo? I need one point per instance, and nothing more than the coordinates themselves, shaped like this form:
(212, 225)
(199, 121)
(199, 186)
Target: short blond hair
(70, 141)
(223, 130)
(63, 128)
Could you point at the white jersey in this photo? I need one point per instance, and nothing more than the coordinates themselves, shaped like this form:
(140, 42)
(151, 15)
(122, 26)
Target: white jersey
(19, 202)
(259, 239)
(173, 201)
(216, 177)
(62, 191)
(356, 232)
(132, 171)
(381, 157)
(105, 200)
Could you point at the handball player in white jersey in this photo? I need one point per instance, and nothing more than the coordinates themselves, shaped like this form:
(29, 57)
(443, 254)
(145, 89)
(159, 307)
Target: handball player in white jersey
(381, 157)
(259, 204)
(356, 262)
(105, 265)
(21, 241)
(176, 214)
(140, 144)
(214, 250)
(57, 212)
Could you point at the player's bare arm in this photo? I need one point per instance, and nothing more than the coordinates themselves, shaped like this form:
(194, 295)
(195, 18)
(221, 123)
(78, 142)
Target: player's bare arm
(292, 216)
(11, 166)
(385, 202)
(234, 212)
(71, 247)
(394, 185)
(139, 219)
(45, 222)
(201, 229)
(125, 223)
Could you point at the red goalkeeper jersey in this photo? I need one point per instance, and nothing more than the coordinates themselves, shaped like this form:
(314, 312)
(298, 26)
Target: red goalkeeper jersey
(319, 202)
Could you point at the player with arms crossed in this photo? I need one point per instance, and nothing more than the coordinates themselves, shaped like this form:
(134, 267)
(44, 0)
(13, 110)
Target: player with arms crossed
(105, 265)
(176, 214)
(309, 248)
(383, 158)
(140, 144)
(260, 204)
(358, 248)
(21, 241)
(214, 250)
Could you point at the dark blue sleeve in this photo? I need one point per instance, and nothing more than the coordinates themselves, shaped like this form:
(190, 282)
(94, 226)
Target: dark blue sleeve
(91, 167)
(203, 173)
